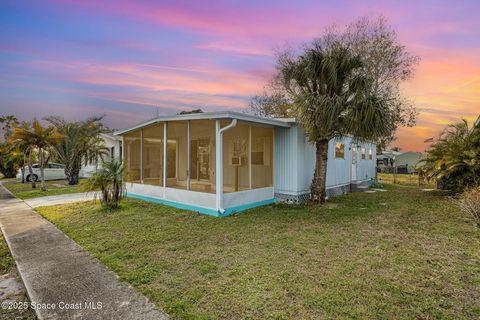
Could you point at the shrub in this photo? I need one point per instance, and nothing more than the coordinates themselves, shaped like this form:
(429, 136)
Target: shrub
(107, 183)
(470, 203)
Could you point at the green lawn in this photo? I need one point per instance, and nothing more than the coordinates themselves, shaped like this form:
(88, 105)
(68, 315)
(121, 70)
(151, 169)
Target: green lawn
(54, 187)
(6, 260)
(7, 265)
(403, 179)
(401, 254)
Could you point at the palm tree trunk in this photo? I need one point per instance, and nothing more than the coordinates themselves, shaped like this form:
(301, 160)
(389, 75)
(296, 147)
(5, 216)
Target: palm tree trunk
(23, 167)
(318, 188)
(42, 173)
(30, 169)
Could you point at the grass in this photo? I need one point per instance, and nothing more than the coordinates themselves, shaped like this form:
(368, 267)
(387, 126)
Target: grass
(400, 254)
(7, 265)
(6, 259)
(54, 187)
(403, 179)
(2, 178)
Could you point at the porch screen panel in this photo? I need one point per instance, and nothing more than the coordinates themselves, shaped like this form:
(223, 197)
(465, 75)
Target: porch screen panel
(262, 157)
(177, 154)
(202, 155)
(235, 158)
(132, 145)
(153, 155)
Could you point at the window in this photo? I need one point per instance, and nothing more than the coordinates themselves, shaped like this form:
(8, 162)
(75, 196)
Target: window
(339, 150)
(236, 175)
(262, 157)
(370, 154)
(56, 166)
(354, 154)
(121, 152)
(112, 152)
(363, 153)
(258, 150)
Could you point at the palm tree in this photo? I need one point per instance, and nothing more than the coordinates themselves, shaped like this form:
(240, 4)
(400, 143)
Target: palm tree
(454, 159)
(332, 98)
(109, 181)
(40, 138)
(82, 140)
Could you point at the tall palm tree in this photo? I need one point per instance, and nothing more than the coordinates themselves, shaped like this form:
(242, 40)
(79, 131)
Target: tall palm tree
(82, 140)
(40, 138)
(454, 159)
(25, 151)
(332, 98)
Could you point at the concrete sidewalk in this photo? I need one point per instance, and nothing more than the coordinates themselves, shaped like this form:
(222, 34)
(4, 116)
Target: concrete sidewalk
(60, 199)
(62, 279)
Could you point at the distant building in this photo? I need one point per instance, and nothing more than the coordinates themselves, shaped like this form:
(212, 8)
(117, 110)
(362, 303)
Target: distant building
(114, 146)
(405, 162)
(408, 161)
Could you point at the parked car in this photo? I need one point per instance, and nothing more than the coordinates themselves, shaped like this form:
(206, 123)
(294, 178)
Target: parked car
(52, 171)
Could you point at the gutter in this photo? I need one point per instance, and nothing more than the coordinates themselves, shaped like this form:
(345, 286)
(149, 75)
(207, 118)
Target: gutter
(219, 162)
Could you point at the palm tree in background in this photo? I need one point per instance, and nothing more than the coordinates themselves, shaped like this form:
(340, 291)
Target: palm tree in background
(39, 138)
(454, 159)
(332, 98)
(82, 142)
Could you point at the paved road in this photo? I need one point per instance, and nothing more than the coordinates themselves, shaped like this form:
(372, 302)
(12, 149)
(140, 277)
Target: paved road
(58, 273)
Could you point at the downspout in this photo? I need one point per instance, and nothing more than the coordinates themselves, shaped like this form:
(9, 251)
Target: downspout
(219, 162)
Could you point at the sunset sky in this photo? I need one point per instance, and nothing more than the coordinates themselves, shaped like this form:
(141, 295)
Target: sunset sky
(126, 59)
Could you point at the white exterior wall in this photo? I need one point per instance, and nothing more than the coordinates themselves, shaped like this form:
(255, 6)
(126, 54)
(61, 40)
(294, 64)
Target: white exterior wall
(295, 162)
(199, 199)
(235, 199)
(109, 142)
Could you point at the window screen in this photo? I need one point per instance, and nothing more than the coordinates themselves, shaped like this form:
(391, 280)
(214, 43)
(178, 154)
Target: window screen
(153, 155)
(132, 155)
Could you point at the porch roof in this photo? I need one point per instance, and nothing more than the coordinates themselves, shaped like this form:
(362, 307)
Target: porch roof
(209, 116)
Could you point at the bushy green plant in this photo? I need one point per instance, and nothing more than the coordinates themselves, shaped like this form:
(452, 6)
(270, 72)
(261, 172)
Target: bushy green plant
(107, 183)
(376, 184)
(469, 202)
(82, 141)
(453, 161)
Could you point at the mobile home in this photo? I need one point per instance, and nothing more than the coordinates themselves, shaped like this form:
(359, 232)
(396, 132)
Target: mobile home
(219, 163)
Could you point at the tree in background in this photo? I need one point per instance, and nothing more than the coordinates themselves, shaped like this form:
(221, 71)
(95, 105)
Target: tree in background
(272, 103)
(453, 160)
(191, 111)
(384, 60)
(40, 138)
(9, 160)
(82, 141)
(332, 98)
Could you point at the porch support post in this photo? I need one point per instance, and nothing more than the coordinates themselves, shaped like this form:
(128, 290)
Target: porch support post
(188, 155)
(165, 148)
(141, 156)
(249, 157)
(218, 166)
(219, 162)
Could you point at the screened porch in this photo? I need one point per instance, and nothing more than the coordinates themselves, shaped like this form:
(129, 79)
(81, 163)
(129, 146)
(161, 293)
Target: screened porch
(179, 159)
